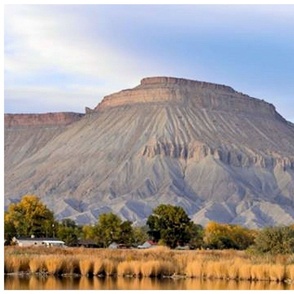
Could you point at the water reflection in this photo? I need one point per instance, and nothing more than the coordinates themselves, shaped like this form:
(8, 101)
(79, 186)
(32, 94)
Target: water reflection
(15, 282)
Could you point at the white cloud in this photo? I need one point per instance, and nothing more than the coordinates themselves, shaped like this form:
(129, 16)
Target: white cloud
(92, 51)
(39, 39)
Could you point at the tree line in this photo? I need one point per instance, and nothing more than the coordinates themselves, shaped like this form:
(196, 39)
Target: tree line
(167, 225)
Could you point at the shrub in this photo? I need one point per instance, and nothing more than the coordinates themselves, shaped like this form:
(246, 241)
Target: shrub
(275, 240)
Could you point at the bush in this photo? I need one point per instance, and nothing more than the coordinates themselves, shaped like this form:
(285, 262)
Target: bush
(275, 240)
(226, 236)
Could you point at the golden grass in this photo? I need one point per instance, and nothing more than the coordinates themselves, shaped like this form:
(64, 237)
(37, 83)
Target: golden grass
(215, 270)
(154, 262)
(37, 264)
(136, 267)
(11, 264)
(15, 264)
(181, 262)
(109, 267)
(98, 267)
(194, 269)
(55, 264)
(71, 266)
(167, 269)
(260, 272)
(156, 268)
(124, 269)
(129, 268)
(244, 270)
(277, 272)
(290, 272)
(150, 268)
(233, 269)
(86, 266)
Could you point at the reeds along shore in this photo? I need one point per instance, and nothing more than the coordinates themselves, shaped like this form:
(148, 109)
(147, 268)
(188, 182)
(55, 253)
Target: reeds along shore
(155, 262)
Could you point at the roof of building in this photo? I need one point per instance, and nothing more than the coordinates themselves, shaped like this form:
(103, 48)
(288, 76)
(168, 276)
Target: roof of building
(36, 239)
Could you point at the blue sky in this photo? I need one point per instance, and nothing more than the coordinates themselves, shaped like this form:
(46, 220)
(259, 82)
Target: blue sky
(66, 57)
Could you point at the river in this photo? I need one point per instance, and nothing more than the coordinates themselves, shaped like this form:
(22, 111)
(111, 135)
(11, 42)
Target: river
(17, 282)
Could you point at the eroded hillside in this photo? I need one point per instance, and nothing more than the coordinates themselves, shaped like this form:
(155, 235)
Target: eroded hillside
(220, 154)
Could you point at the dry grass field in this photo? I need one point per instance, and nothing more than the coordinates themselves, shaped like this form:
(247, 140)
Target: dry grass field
(154, 262)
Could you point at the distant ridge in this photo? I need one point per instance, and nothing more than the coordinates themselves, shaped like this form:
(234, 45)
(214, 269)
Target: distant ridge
(33, 119)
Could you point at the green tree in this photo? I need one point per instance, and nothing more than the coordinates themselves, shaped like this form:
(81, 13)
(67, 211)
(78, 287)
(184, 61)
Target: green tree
(88, 232)
(94, 233)
(68, 232)
(29, 217)
(126, 234)
(110, 228)
(275, 240)
(196, 233)
(170, 224)
(140, 235)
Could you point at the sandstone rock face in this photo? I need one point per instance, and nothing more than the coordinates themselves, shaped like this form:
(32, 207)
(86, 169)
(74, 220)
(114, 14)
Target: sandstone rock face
(46, 119)
(218, 153)
(25, 134)
(188, 93)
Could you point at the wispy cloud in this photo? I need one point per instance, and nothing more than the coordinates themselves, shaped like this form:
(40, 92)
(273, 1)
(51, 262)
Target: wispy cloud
(43, 39)
(63, 52)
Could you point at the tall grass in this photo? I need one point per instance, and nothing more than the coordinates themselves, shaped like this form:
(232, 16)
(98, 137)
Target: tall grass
(259, 272)
(155, 262)
(244, 270)
(16, 264)
(129, 268)
(195, 269)
(109, 267)
(277, 272)
(55, 264)
(86, 266)
(37, 264)
(98, 267)
(290, 272)
(156, 268)
(71, 266)
(233, 269)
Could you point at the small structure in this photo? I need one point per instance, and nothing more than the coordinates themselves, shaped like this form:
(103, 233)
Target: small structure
(45, 242)
(113, 245)
(147, 244)
(182, 247)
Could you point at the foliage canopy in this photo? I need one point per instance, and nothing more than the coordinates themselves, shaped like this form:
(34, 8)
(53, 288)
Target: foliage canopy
(28, 217)
(226, 236)
(275, 240)
(169, 224)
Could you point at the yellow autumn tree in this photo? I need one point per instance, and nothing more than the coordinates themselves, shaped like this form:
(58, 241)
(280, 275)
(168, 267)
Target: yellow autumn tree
(28, 217)
(224, 236)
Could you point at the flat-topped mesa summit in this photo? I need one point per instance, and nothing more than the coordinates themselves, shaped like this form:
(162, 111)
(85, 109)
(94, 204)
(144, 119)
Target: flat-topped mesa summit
(183, 92)
(42, 119)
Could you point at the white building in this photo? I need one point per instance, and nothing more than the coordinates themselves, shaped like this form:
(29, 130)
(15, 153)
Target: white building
(45, 242)
(147, 244)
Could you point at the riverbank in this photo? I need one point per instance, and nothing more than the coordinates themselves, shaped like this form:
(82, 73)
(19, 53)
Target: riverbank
(155, 262)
